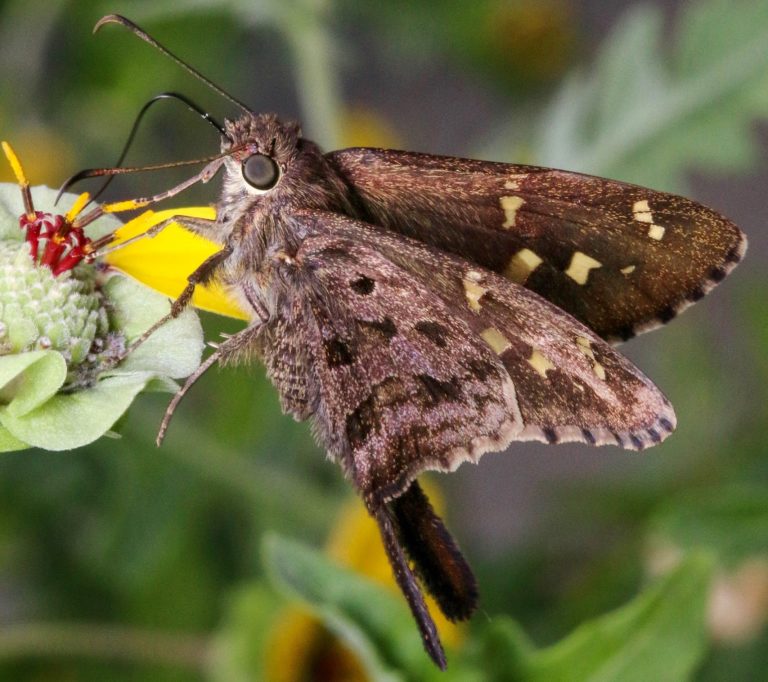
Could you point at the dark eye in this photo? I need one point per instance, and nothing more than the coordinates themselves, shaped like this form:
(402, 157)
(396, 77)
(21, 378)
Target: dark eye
(260, 171)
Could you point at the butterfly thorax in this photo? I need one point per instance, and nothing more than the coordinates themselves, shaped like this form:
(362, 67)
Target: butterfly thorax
(271, 173)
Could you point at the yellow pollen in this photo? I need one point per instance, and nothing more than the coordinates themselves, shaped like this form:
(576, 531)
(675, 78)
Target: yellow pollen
(580, 266)
(81, 201)
(521, 265)
(628, 270)
(120, 206)
(656, 232)
(13, 160)
(510, 205)
(496, 340)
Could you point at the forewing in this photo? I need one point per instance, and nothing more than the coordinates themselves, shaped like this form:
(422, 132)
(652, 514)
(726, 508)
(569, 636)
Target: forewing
(418, 339)
(620, 258)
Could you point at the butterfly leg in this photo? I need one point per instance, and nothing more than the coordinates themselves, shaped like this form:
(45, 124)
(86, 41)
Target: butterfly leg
(226, 349)
(201, 275)
(438, 561)
(408, 585)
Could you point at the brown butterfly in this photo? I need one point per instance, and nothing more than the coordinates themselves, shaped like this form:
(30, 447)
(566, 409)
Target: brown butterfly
(423, 310)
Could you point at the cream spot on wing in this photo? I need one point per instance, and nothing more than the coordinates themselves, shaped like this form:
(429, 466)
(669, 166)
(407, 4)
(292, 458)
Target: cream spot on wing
(495, 339)
(585, 346)
(540, 362)
(628, 270)
(473, 290)
(641, 211)
(580, 265)
(513, 182)
(599, 370)
(521, 265)
(510, 206)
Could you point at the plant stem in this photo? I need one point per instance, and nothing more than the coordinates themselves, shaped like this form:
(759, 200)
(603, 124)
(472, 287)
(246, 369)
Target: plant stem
(304, 26)
(146, 647)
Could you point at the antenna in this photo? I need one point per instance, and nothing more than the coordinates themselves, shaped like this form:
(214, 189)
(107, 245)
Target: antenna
(136, 30)
(157, 98)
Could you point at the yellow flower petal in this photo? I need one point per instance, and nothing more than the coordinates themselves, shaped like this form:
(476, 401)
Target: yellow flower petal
(356, 543)
(164, 261)
(299, 643)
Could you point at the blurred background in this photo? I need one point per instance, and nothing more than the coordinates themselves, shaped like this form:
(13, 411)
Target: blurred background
(121, 561)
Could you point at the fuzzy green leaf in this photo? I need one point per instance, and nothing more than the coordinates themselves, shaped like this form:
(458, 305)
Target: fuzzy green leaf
(651, 107)
(371, 620)
(658, 636)
(27, 380)
(72, 420)
(174, 349)
(33, 411)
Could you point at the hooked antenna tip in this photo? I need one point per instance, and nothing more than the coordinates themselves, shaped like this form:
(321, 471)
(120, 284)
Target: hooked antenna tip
(111, 19)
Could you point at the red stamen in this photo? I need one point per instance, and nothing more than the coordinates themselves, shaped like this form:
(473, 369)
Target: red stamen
(65, 245)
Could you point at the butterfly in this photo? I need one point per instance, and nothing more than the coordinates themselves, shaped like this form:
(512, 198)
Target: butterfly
(422, 310)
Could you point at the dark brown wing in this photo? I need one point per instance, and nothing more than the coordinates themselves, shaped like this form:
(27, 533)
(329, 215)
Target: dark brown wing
(422, 360)
(620, 258)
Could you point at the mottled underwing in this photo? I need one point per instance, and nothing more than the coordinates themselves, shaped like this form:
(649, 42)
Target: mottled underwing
(423, 310)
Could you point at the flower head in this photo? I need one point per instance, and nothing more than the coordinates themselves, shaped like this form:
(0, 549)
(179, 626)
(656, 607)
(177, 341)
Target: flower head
(66, 323)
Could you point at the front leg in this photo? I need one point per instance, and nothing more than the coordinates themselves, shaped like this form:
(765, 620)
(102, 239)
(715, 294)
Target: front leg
(229, 347)
(199, 226)
(202, 275)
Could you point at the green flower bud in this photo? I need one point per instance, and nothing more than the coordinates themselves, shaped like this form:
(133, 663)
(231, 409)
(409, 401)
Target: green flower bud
(41, 311)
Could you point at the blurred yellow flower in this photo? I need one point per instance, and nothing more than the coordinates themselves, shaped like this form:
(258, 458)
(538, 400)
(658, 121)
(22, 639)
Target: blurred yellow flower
(301, 649)
(47, 156)
(364, 127)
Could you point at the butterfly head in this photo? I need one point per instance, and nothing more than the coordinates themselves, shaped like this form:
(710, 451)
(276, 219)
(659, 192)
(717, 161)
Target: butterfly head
(270, 167)
(262, 150)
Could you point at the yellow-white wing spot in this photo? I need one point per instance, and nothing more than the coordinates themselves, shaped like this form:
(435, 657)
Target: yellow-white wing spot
(540, 362)
(473, 290)
(513, 182)
(580, 265)
(510, 206)
(642, 213)
(496, 340)
(628, 270)
(521, 265)
(585, 346)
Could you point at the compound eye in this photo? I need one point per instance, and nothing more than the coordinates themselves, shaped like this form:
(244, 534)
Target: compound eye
(261, 172)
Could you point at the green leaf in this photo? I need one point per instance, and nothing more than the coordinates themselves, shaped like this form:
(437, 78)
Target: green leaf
(652, 106)
(27, 380)
(658, 636)
(239, 647)
(72, 420)
(173, 350)
(374, 622)
(505, 651)
(733, 522)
